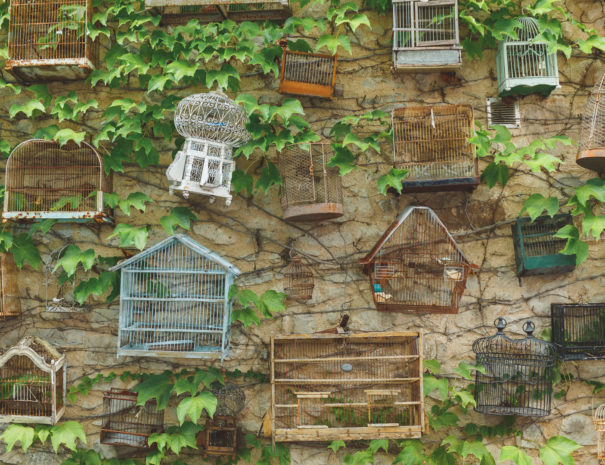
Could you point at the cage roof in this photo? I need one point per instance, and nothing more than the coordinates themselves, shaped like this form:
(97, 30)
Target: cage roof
(34, 347)
(526, 29)
(187, 242)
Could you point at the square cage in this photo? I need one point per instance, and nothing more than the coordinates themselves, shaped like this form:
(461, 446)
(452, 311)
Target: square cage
(304, 73)
(219, 436)
(578, 330)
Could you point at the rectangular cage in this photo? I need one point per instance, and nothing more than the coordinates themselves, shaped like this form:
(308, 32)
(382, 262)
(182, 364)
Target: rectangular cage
(578, 330)
(537, 250)
(182, 11)
(219, 436)
(329, 387)
(126, 423)
(431, 142)
(425, 35)
(310, 74)
(48, 40)
(10, 304)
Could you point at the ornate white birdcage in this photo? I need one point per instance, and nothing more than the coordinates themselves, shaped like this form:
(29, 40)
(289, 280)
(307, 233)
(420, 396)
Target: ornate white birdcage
(212, 125)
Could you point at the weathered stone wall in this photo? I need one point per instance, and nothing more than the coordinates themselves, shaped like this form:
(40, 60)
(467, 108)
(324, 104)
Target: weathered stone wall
(252, 235)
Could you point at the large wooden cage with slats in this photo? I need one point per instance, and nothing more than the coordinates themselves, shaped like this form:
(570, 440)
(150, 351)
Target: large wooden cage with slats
(327, 387)
(10, 303)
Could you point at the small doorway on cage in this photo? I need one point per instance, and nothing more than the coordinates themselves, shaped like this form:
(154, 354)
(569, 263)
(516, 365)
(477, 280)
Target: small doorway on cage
(60, 287)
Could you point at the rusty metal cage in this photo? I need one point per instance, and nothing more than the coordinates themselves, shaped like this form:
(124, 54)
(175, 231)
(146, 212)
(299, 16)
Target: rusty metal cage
(10, 304)
(311, 190)
(304, 73)
(346, 386)
(599, 423)
(48, 40)
(126, 423)
(416, 266)
(431, 142)
(47, 181)
(299, 282)
(591, 152)
(32, 383)
(578, 330)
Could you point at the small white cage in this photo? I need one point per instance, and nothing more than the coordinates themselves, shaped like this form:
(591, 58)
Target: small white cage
(213, 125)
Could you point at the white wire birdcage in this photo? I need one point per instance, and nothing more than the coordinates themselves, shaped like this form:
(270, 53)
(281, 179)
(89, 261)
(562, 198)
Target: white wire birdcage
(212, 125)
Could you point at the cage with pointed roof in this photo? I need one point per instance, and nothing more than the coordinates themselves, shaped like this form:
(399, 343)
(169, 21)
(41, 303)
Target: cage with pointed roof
(524, 64)
(174, 301)
(591, 154)
(10, 302)
(517, 375)
(578, 330)
(32, 383)
(416, 266)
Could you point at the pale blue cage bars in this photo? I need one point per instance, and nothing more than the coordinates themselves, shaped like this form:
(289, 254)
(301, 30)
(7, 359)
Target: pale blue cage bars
(174, 301)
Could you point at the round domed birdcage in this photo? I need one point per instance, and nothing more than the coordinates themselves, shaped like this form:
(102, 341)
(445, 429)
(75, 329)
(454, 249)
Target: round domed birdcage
(599, 423)
(299, 280)
(591, 154)
(212, 125)
(518, 373)
(230, 399)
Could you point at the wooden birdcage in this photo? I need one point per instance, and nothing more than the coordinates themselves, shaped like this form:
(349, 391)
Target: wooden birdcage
(431, 142)
(174, 301)
(599, 423)
(311, 190)
(425, 35)
(537, 250)
(578, 330)
(48, 40)
(591, 154)
(47, 181)
(518, 373)
(10, 305)
(32, 383)
(304, 73)
(524, 65)
(299, 282)
(329, 387)
(416, 266)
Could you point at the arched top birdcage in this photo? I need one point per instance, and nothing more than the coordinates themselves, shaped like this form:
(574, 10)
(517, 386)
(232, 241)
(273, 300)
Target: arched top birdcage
(599, 418)
(299, 282)
(591, 154)
(10, 302)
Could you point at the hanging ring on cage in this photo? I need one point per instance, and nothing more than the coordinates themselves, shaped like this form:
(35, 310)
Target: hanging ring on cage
(529, 328)
(500, 323)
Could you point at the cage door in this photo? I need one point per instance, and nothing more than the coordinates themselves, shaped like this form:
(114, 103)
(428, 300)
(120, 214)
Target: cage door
(436, 23)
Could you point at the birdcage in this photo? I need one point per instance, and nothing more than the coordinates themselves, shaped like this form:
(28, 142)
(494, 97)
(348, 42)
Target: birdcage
(524, 65)
(10, 304)
(425, 35)
(174, 301)
(32, 383)
(346, 386)
(299, 282)
(416, 267)
(578, 330)
(213, 125)
(182, 11)
(591, 153)
(537, 250)
(45, 180)
(48, 40)
(518, 373)
(311, 190)
(431, 142)
(126, 423)
(599, 422)
(304, 73)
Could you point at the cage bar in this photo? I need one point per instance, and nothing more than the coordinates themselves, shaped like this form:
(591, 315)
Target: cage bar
(416, 266)
(32, 383)
(330, 386)
(311, 190)
(299, 282)
(174, 301)
(599, 422)
(578, 330)
(518, 373)
(304, 73)
(129, 424)
(524, 65)
(11, 302)
(537, 250)
(431, 142)
(591, 154)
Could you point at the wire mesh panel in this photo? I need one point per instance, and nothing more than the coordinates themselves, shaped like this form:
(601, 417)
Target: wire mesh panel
(578, 330)
(416, 267)
(174, 301)
(591, 152)
(311, 190)
(182, 11)
(326, 386)
(432, 144)
(10, 304)
(303, 73)
(48, 39)
(537, 250)
(299, 282)
(126, 423)
(518, 373)
(524, 65)
(32, 383)
(599, 422)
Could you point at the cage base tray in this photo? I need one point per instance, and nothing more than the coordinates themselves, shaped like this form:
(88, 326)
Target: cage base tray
(114, 438)
(593, 159)
(544, 89)
(521, 411)
(415, 309)
(306, 89)
(313, 212)
(427, 60)
(50, 69)
(440, 185)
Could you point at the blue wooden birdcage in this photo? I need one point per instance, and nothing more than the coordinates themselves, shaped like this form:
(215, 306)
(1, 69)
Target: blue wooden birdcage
(175, 302)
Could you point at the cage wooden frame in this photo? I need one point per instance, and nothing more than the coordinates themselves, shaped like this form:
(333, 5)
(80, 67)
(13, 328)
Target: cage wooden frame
(431, 142)
(387, 361)
(297, 78)
(591, 150)
(219, 437)
(10, 302)
(578, 330)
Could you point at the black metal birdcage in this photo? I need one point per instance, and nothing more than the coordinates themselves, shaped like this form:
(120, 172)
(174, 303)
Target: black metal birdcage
(578, 330)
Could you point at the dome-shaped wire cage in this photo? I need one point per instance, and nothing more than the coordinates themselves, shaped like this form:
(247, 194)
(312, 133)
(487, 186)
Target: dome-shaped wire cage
(518, 373)
(298, 281)
(311, 190)
(599, 423)
(212, 125)
(591, 154)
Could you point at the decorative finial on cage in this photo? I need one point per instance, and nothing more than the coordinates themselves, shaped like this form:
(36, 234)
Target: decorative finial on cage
(529, 328)
(299, 283)
(500, 323)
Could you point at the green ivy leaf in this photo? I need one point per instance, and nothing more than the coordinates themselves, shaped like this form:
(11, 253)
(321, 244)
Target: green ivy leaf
(193, 407)
(30, 109)
(131, 235)
(515, 454)
(575, 246)
(72, 256)
(67, 434)
(179, 216)
(537, 203)
(336, 445)
(430, 383)
(558, 449)
(246, 315)
(157, 387)
(24, 251)
(97, 286)
(393, 179)
(241, 181)
(343, 159)
(15, 433)
(269, 176)
(63, 136)
(274, 301)
(138, 200)
(494, 174)
(433, 366)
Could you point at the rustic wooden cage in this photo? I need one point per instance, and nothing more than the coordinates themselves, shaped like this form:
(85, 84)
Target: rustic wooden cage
(599, 423)
(518, 373)
(304, 73)
(416, 266)
(311, 190)
(578, 330)
(299, 282)
(591, 152)
(346, 386)
(174, 301)
(32, 383)
(47, 181)
(524, 64)
(10, 304)
(431, 142)
(48, 40)
(425, 35)
(537, 250)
